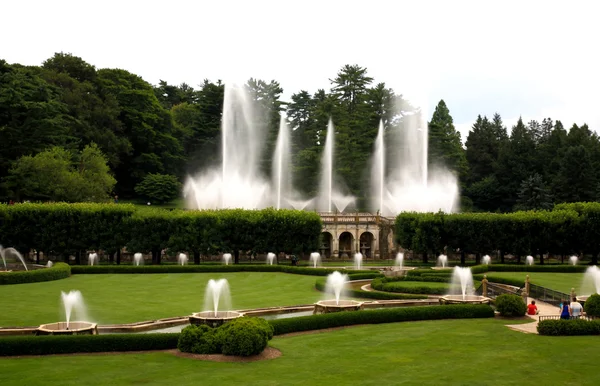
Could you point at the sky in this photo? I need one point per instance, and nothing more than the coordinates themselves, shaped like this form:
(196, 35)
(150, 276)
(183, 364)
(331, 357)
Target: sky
(529, 58)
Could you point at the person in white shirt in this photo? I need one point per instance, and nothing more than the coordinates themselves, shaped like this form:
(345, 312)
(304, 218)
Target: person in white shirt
(576, 309)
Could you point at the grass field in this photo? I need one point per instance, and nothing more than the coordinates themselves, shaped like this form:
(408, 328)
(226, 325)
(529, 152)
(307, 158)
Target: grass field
(452, 352)
(562, 282)
(125, 298)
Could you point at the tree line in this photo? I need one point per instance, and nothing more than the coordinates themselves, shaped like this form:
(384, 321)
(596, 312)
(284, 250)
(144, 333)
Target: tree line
(72, 132)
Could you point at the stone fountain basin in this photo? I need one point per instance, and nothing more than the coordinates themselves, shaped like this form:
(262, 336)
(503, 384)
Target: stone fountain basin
(75, 328)
(327, 306)
(467, 299)
(583, 298)
(210, 318)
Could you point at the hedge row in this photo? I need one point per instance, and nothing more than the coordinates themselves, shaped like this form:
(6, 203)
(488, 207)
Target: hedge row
(67, 344)
(568, 229)
(339, 319)
(56, 272)
(66, 229)
(320, 286)
(397, 286)
(569, 327)
(502, 280)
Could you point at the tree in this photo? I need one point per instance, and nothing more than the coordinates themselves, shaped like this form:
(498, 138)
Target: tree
(576, 179)
(159, 188)
(534, 195)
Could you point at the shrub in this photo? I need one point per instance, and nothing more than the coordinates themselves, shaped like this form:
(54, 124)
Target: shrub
(403, 286)
(159, 188)
(56, 272)
(510, 305)
(558, 327)
(199, 340)
(592, 305)
(244, 336)
(320, 286)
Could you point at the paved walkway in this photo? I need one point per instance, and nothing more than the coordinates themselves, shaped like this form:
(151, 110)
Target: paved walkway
(543, 308)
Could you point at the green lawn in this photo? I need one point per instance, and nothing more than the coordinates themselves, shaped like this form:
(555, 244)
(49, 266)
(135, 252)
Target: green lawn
(453, 352)
(125, 298)
(562, 282)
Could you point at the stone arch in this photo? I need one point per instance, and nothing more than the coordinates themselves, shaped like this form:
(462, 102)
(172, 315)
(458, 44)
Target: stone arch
(346, 240)
(366, 244)
(326, 244)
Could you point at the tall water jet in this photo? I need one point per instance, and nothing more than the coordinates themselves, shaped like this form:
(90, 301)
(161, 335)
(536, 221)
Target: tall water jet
(182, 259)
(400, 260)
(462, 279)
(6, 252)
(378, 171)
(486, 260)
(217, 305)
(336, 283)
(358, 259)
(270, 258)
(529, 260)
(573, 260)
(591, 282)
(73, 301)
(49, 264)
(92, 258)
(226, 258)
(138, 259)
(281, 166)
(442, 261)
(315, 259)
(73, 304)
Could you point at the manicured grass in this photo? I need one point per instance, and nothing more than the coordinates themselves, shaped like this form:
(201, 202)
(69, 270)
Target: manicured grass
(562, 282)
(482, 352)
(126, 298)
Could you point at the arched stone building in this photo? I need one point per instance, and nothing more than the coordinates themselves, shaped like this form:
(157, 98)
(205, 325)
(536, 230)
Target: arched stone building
(344, 234)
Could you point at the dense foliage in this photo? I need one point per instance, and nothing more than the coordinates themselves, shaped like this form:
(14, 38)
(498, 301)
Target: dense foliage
(592, 305)
(560, 327)
(510, 305)
(244, 336)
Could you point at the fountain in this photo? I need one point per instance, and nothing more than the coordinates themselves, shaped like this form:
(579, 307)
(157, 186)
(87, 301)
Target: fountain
(461, 289)
(400, 260)
(270, 258)
(226, 258)
(92, 258)
(315, 259)
(442, 261)
(335, 284)
(6, 252)
(591, 283)
(216, 296)
(49, 264)
(72, 301)
(486, 260)
(529, 260)
(358, 258)
(573, 260)
(138, 259)
(182, 259)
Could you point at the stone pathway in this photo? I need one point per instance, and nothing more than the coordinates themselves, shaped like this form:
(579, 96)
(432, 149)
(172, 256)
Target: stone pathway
(531, 328)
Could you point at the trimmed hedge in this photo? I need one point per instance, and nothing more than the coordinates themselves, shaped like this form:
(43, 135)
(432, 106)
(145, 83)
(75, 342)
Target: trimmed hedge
(564, 268)
(510, 305)
(561, 327)
(67, 344)
(56, 272)
(501, 280)
(400, 287)
(592, 305)
(404, 314)
(320, 286)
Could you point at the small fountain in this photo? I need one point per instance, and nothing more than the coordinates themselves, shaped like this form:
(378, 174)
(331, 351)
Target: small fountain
(529, 260)
(315, 259)
(573, 260)
(138, 259)
(358, 258)
(226, 258)
(486, 260)
(92, 258)
(400, 260)
(5, 252)
(335, 284)
(182, 259)
(270, 258)
(216, 296)
(49, 264)
(72, 301)
(461, 289)
(591, 283)
(442, 262)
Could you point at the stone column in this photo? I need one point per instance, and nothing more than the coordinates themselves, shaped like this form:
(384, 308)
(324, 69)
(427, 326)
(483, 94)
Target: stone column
(484, 283)
(573, 295)
(525, 293)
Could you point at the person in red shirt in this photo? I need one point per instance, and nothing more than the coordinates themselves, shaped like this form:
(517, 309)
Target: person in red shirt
(532, 308)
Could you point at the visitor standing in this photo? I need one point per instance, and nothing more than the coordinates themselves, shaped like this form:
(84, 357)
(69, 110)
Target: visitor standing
(576, 309)
(565, 312)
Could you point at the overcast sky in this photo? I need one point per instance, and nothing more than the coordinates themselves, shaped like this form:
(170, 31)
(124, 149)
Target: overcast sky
(531, 58)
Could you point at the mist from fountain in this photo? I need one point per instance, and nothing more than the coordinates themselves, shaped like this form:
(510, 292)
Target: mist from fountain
(281, 174)
(270, 258)
(442, 261)
(226, 258)
(73, 301)
(591, 281)
(315, 259)
(217, 296)
(92, 258)
(462, 279)
(358, 259)
(486, 260)
(529, 260)
(182, 259)
(335, 284)
(573, 260)
(49, 264)
(138, 259)
(400, 260)
(5, 252)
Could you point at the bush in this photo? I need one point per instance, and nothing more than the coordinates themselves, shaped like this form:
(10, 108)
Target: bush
(199, 340)
(558, 327)
(510, 305)
(56, 272)
(401, 285)
(338, 319)
(592, 305)
(159, 188)
(244, 336)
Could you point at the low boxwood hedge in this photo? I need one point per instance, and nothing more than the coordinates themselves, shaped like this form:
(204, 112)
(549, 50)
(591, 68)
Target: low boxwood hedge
(559, 327)
(67, 344)
(56, 272)
(391, 315)
(402, 285)
(320, 286)
(538, 268)
(502, 280)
